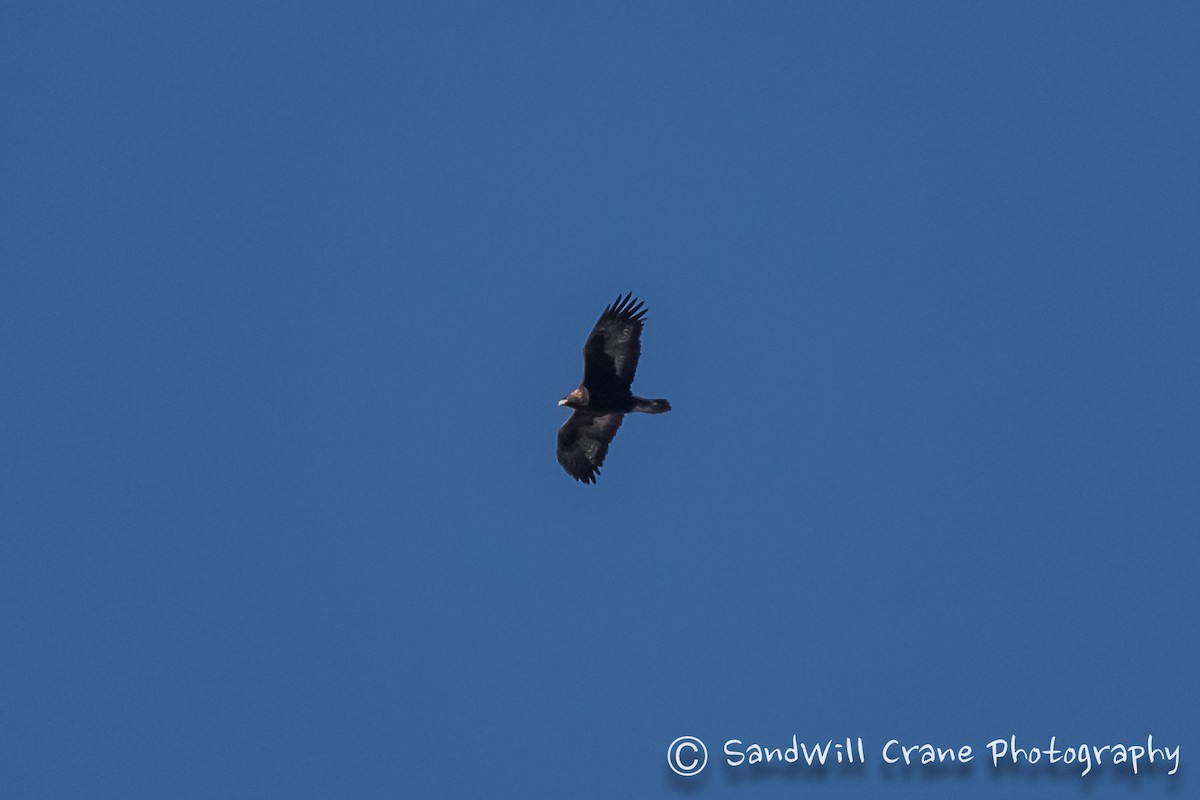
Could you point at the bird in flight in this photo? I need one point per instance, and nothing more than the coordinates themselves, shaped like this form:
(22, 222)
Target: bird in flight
(610, 357)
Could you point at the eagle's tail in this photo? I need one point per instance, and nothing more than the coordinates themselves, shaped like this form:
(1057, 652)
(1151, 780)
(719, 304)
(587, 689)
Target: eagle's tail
(651, 406)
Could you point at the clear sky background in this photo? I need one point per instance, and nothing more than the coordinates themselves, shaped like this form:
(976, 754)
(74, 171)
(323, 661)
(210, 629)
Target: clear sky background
(290, 291)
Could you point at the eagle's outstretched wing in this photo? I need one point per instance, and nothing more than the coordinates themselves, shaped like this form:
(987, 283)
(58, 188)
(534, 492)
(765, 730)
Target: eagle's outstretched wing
(610, 355)
(583, 443)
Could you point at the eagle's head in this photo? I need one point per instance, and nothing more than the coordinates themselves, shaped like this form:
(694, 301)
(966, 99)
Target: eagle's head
(576, 399)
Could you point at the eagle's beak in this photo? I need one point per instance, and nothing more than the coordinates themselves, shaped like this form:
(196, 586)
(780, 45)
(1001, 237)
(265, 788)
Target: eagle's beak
(562, 402)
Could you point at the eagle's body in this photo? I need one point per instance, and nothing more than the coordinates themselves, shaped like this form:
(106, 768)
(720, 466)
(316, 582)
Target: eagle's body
(610, 358)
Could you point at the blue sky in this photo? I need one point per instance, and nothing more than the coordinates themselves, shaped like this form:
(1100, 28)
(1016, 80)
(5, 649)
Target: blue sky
(291, 292)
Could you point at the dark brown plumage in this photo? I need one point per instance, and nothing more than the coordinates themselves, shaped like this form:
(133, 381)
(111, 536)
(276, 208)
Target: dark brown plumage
(610, 358)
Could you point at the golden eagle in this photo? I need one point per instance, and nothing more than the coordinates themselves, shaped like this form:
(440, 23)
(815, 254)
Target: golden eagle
(610, 358)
